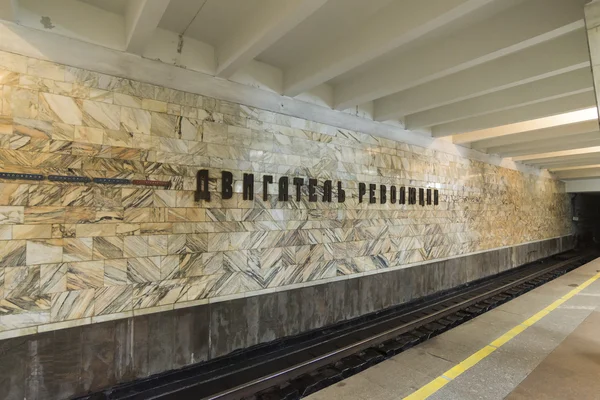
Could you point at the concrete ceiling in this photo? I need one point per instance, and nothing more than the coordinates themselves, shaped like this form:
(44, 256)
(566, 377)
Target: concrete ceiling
(113, 6)
(507, 77)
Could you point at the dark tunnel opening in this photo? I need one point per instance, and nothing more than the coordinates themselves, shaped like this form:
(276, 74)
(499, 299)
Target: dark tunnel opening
(586, 219)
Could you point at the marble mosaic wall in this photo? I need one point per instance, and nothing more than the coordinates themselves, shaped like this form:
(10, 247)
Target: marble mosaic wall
(80, 253)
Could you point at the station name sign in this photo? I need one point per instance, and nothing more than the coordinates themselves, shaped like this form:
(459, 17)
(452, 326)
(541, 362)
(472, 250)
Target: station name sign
(393, 194)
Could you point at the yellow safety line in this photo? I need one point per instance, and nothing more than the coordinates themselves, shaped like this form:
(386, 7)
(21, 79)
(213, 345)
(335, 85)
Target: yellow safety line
(469, 362)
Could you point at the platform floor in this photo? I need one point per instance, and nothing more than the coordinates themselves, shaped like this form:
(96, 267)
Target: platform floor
(542, 345)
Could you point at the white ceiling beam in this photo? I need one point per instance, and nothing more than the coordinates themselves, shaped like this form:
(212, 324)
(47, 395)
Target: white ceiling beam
(558, 155)
(574, 117)
(9, 9)
(393, 26)
(573, 161)
(533, 64)
(559, 131)
(571, 83)
(589, 139)
(505, 33)
(579, 173)
(260, 31)
(538, 110)
(141, 20)
(558, 169)
(566, 161)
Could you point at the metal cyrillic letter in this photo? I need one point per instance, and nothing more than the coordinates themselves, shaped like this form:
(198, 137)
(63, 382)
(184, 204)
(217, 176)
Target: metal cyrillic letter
(226, 185)
(327, 188)
(283, 188)
(266, 180)
(312, 196)
(362, 190)
(341, 193)
(202, 190)
(248, 186)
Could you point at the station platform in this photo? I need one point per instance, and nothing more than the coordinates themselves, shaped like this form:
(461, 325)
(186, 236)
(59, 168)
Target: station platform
(544, 344)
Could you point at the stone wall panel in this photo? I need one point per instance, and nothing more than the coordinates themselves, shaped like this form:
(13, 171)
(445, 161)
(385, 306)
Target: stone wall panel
(74, 253)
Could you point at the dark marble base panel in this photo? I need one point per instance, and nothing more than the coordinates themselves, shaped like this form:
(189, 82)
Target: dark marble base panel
(75, 361)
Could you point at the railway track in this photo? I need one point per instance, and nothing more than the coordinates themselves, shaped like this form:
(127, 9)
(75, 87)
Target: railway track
(296, 367)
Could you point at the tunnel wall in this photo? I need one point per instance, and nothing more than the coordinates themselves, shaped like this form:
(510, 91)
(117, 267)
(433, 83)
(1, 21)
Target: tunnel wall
(81, 254)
